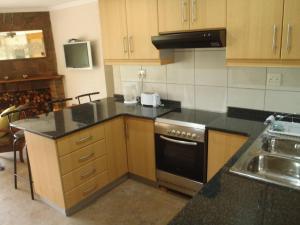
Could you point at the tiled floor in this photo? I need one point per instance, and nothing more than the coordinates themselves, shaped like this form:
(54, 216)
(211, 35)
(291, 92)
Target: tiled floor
(130, 203)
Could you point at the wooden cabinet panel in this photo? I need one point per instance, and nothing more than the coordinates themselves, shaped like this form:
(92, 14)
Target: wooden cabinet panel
(221, 147)
(173, 15)
(116, 148)
(114, 29)
(207, 14)
(82, 156)
(142, 25)
(86, 189)
(140, 147)
(80, 139)
(291, 30)
(254, 29)
(84, 173)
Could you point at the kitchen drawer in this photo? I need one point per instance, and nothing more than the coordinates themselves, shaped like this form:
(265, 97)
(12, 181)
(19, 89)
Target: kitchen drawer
(80, 139)
(82, 156)
(84, 173)
(86, 189)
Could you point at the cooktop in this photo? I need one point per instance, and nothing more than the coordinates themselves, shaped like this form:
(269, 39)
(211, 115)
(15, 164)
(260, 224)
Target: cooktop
(191, 116)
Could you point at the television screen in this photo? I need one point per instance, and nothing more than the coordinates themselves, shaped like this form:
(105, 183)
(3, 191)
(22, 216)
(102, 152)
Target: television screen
(78, 55)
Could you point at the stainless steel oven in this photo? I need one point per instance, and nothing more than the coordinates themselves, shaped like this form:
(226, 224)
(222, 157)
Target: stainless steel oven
(180, 155)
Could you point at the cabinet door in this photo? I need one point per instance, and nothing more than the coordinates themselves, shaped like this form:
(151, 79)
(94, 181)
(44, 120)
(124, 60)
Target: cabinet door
(114, 29)
(254, 29)
(140, 147)
(142, 24)
(116, 148)
(173, 15)
(291, 30)
(207, 14)
(221, 147)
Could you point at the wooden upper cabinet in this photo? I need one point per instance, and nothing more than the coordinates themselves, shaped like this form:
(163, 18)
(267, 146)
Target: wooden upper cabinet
(140, 147)
(173, 15)
(291, 30)
(254, 29)
(114, 29)
(206, 14)
(142, 24)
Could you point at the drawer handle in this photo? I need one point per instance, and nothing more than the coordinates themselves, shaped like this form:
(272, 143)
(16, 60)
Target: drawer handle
(87, 157)
(89, 190)
(82, 140)
(88, 174)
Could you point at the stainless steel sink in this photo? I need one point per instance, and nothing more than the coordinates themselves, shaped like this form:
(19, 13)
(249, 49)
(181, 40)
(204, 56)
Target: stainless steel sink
(281, 146)
(273, 159)
(273, 167)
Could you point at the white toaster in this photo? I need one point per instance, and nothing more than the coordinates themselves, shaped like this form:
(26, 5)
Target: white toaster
(150, 99)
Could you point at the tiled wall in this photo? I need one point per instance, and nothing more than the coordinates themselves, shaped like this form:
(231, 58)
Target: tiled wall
(200, 80)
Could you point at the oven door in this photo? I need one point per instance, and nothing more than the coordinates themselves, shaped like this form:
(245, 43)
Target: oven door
(180, 157)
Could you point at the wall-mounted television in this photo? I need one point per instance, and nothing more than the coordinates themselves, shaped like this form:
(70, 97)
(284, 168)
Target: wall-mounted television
(78, 55)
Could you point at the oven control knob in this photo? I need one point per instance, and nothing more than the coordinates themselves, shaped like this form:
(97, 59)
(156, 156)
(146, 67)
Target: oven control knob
(173, 132)
(178, 133)
(183, 134)
(188, 135)
(194, 136)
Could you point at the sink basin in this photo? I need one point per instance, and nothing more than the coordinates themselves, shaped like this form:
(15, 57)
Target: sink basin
(273, 159)
(282, 170)
(282, 146)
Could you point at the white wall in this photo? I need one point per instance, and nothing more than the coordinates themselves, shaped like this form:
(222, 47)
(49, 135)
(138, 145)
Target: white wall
(200, 80)
(79, 21)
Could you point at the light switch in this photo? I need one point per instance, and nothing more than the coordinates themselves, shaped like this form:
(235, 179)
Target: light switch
(274, 79)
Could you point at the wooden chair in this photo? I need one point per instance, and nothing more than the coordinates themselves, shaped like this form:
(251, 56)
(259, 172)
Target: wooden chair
(86, 95)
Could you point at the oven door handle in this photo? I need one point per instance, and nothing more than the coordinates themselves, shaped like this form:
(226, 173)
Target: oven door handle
(178, 141)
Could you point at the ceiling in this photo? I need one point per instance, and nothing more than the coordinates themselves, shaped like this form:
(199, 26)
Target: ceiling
(23, 4)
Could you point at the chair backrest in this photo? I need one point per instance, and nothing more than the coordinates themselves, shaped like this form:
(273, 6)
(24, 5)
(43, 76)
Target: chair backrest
(60, 102)
(86, 95)
(19, 113)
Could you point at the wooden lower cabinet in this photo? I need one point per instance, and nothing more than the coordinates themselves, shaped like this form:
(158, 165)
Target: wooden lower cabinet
(116, 148)
(64, 175)
(140, 147)
(221, 147)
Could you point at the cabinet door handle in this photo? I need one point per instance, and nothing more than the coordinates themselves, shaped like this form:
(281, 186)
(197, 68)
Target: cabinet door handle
(288, 38)
(183, 11)
(87, 157)
(89, 190)
(274, 38)
(88, 174)
(82, 140)
(126, 131)
(131, 47)
(125, 44)
(194, 11)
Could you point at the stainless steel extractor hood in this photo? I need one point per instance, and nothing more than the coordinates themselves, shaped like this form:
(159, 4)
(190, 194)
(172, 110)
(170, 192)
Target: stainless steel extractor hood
(197, 39)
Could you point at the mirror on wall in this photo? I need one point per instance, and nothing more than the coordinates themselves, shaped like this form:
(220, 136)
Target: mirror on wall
(22, 45)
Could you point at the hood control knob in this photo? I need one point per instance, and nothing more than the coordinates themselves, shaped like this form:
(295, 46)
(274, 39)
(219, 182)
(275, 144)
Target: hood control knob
(178, 133)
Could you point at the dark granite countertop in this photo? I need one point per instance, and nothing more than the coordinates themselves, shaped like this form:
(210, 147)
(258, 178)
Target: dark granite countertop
(58, 124)
(229, 199)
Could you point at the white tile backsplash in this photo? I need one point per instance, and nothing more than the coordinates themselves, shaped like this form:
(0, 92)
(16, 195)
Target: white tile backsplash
(129, 73)
(211, 98)
(182, 71)
(247, 77)
(283, 101)
(155, 74)
(290, 79)
(183, 93)
(199, 79)
(246, 98)
(210, 68)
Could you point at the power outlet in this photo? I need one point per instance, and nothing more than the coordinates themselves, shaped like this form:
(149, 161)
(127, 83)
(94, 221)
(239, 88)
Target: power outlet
(142, 74)
(274, 79)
